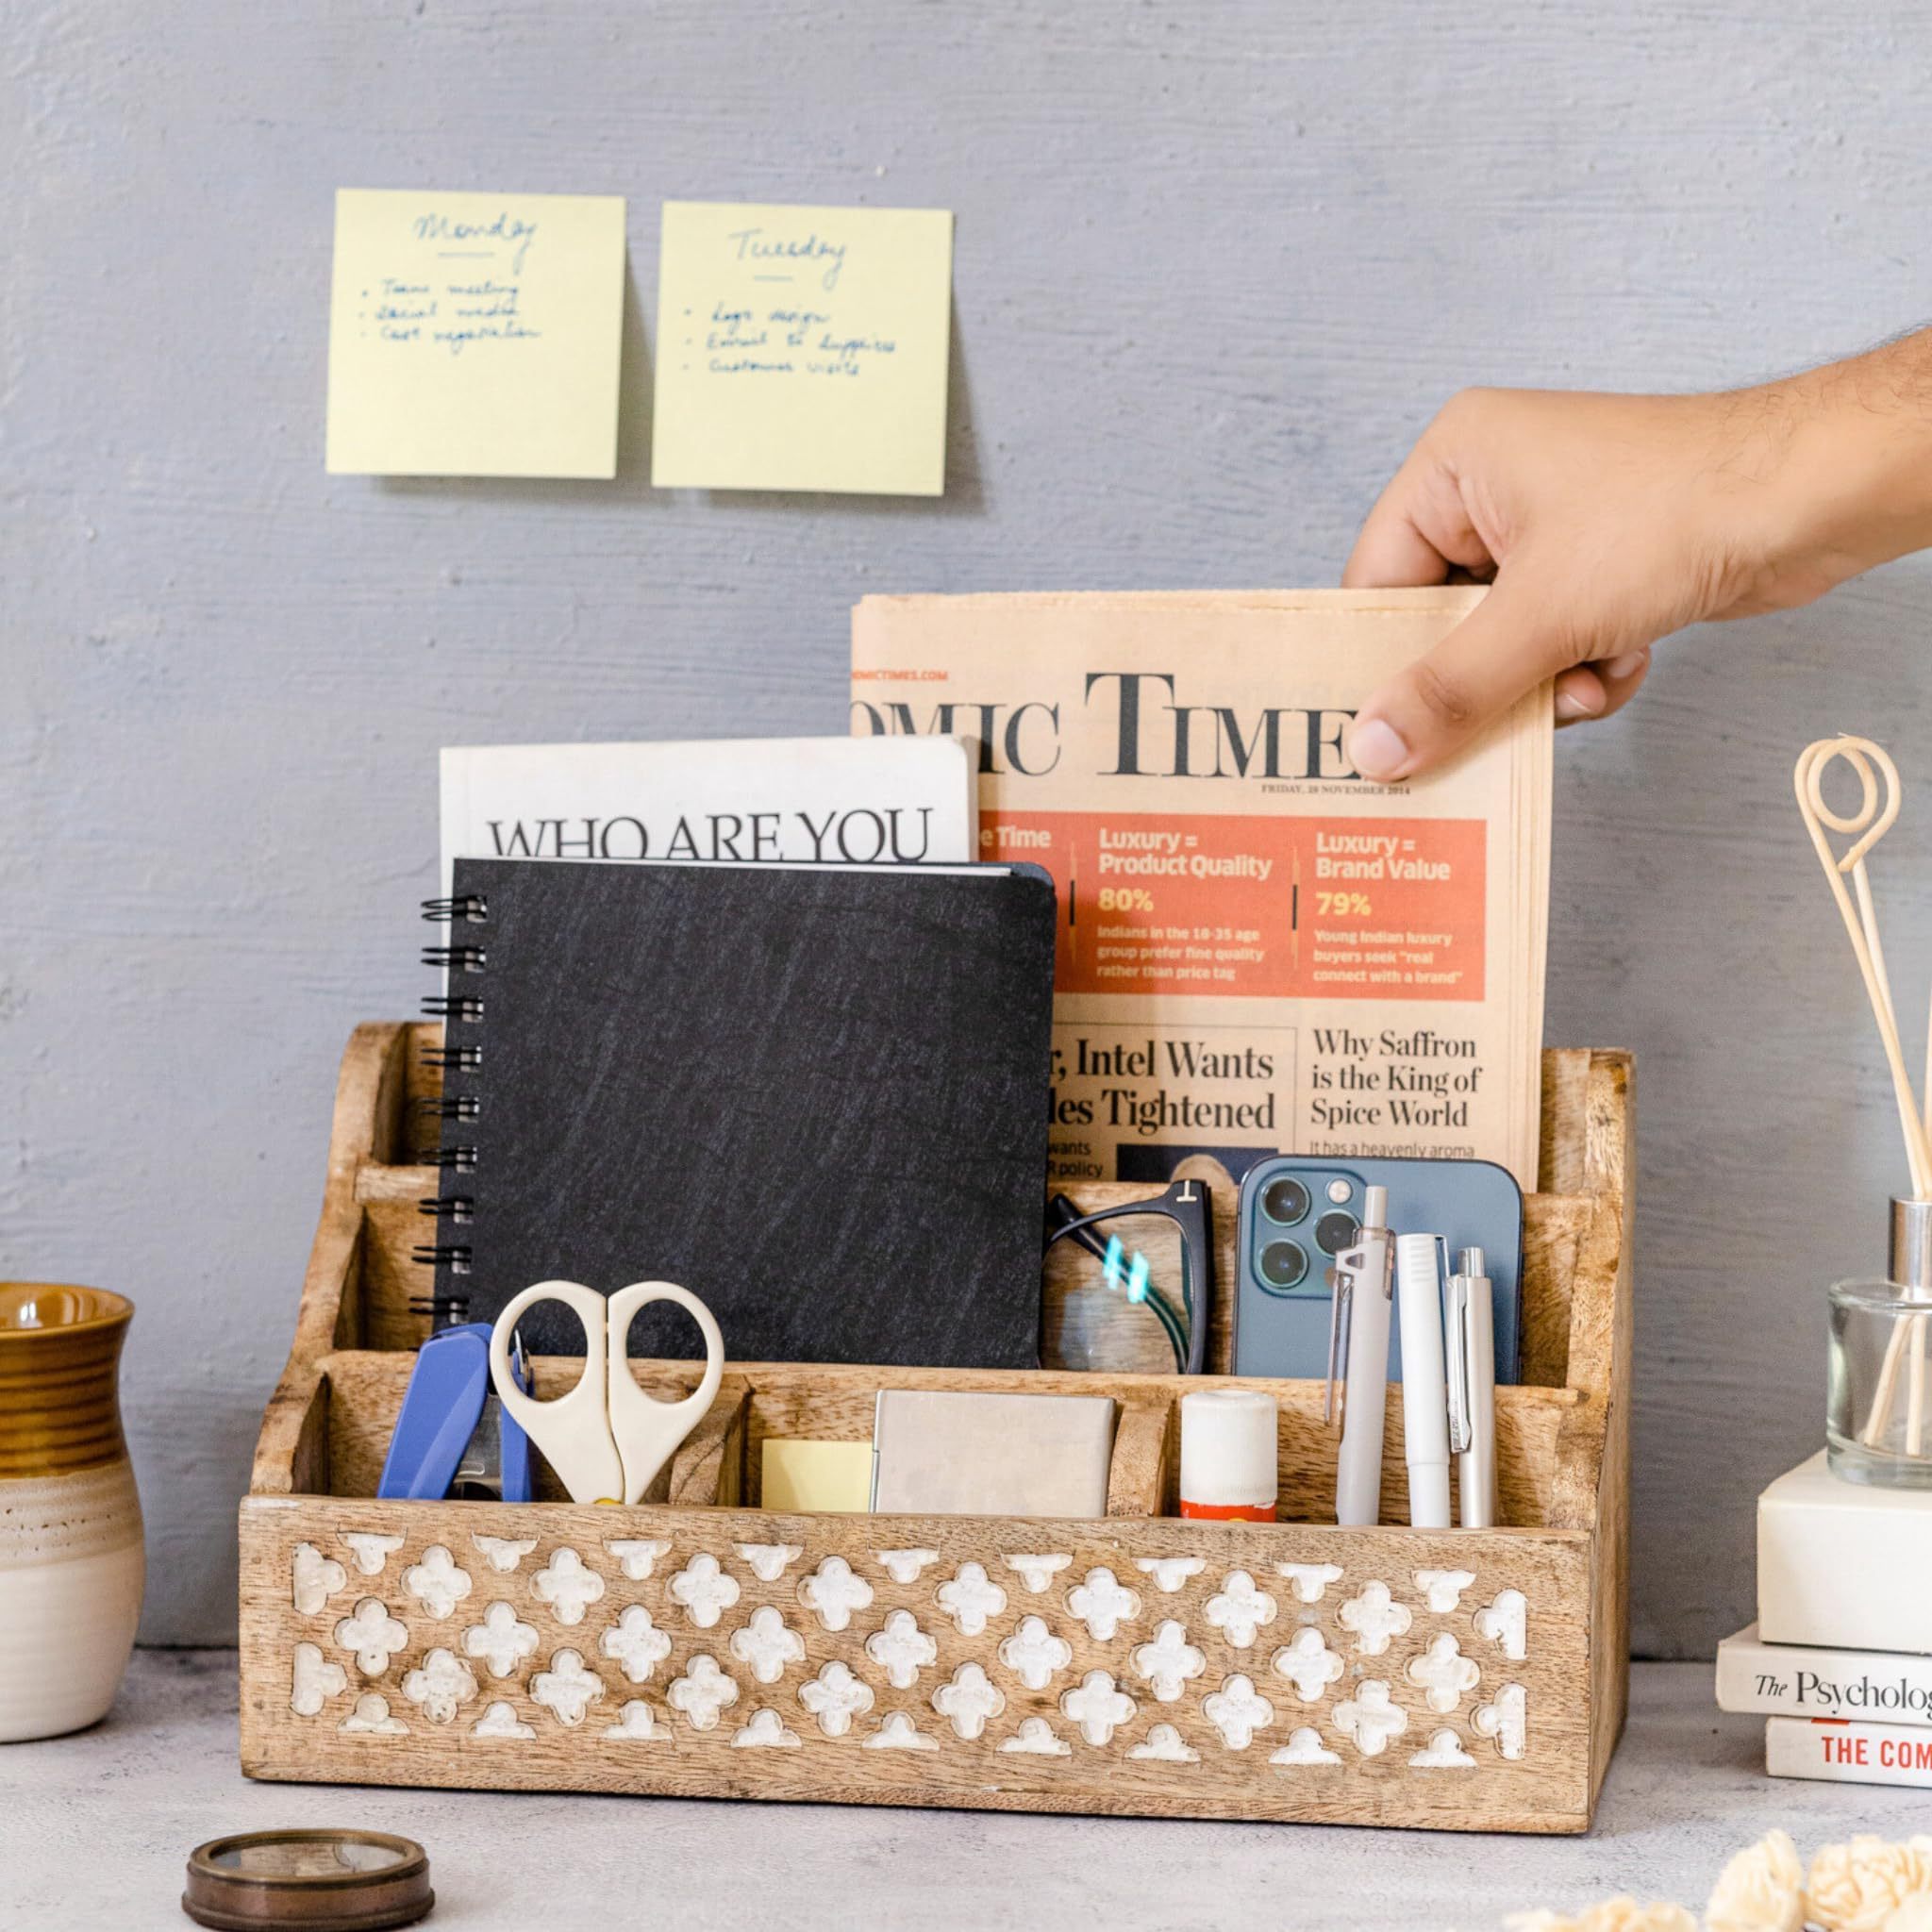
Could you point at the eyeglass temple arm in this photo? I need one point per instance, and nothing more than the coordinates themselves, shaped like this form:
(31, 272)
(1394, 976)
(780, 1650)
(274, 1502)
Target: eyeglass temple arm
(1180, 1335)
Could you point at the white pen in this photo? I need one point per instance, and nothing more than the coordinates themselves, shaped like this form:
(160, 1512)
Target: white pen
(1473, 1387)
(1358, 1334)
(1425, 1381)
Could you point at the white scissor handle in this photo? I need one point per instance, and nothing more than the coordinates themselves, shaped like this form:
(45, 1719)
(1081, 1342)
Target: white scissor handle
(574, 1431)
(647, 1430)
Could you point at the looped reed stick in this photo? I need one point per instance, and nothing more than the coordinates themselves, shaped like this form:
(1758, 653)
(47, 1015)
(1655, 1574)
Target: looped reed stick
(1867, 825)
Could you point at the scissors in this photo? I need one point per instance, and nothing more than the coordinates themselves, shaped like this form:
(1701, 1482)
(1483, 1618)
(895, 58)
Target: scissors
(606, 1439)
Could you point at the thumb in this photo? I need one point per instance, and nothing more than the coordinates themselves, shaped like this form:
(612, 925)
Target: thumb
(1426, 713)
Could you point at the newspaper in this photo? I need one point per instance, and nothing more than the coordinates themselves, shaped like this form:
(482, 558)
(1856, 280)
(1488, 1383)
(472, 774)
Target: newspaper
(715, 801)
(1259, 949)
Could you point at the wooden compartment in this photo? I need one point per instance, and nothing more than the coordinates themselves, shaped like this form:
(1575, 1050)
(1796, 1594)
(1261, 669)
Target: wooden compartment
(698, 1645)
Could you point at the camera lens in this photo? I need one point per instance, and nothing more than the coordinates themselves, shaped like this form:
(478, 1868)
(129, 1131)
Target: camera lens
(1284, 1200)
(1336, 1231)
(1283, 1264)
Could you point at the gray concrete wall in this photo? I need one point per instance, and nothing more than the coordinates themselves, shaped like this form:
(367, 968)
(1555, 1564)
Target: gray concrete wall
(1216, 265)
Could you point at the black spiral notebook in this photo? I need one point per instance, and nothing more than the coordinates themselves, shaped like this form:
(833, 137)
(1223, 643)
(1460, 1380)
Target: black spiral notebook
(814, 1095)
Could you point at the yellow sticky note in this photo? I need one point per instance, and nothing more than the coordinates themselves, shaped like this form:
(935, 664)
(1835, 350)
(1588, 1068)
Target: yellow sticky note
(834, 1477)
(476, 335)
(802, 348)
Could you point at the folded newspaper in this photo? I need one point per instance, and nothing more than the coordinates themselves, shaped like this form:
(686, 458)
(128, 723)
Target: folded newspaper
(1260, 950)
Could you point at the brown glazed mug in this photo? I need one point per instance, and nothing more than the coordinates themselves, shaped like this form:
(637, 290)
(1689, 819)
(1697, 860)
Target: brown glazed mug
(71, 1560)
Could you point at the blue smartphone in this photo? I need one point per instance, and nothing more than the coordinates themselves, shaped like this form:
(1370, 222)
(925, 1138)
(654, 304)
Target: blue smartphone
(1298, 1213)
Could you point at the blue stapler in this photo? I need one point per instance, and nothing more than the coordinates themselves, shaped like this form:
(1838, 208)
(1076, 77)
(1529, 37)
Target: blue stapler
(453, 1436)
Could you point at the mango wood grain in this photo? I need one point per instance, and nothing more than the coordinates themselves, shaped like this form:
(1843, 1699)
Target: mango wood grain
(1563, 1448)
(1545, 1789)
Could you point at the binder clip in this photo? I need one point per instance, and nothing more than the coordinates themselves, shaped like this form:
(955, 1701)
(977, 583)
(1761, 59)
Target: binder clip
(453, 1438)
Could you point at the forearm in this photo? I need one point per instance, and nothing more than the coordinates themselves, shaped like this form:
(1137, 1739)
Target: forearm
(1856, 482)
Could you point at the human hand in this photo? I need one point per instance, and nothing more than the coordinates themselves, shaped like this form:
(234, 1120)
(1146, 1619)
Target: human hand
(1607, 522)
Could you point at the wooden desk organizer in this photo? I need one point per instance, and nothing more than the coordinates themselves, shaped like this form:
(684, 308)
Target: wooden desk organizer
(699, 1646)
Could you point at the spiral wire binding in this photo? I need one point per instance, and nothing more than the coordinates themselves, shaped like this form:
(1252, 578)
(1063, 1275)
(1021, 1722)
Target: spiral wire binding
(455, 959)
(462, 1107)
(473, 909)
(451, 1258)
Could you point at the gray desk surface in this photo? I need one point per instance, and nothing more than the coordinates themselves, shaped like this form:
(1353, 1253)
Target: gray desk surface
(97, 1828)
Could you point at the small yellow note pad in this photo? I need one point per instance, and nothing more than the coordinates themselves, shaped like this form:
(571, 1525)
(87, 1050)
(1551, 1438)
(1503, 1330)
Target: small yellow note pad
(802, 348)
(835, 1477)
(476, 335)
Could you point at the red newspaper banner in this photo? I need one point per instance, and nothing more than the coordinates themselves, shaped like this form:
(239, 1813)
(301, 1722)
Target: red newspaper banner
(1258, 904)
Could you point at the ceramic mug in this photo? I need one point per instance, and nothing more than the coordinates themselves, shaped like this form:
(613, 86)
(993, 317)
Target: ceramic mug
(71, 1559)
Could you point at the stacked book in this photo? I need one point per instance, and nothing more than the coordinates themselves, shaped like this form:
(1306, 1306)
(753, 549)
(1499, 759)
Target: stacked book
(1839, 1660)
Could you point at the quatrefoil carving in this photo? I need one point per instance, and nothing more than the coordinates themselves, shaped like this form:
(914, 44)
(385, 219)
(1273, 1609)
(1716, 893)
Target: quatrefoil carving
(971, 1598)
(768, 1560)
(1310, 1581)
(833, 1591)
(767, 1644)
(1034, 1652)
(1165, 1746)
(635, 1643)
(1102, 1603)
(1170, 1663)
(1374, 1617)
(313, 1578)
(437, 1582)
(1506, 1718)
(568, 1585)
(901, 1649)
(1241, 1611)
(1445, 1671)
(1505, 1621)
(835, 1697)
(502, 1641)
(969, 1700)
(440, 1685)
(637, 1556)
(1308, 1664)
(567, 1690)
(1238, 1710)
(702, 1692)
(314, 1681)
(705, 1588)
(372, 1636)
(1170, 1573)
(1099, 1707)
(1442, 1588)
(1369, 1720)
(1037, 1573)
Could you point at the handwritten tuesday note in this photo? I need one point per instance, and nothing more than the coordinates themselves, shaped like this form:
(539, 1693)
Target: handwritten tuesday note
(802, 348)
(476, 335)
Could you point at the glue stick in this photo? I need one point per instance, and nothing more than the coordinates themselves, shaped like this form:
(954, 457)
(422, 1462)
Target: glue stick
(1229, 1454)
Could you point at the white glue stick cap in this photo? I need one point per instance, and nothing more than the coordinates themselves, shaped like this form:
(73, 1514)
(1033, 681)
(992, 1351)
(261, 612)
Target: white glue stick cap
(1228, 1448)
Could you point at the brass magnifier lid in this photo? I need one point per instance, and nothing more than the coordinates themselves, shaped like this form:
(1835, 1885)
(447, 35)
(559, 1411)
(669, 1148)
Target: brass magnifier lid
(307, 1881)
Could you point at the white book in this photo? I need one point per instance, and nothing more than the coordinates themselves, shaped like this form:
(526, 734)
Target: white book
(842, 800)
(1850, 1754)
(1807, 1680)
(1844, 1565)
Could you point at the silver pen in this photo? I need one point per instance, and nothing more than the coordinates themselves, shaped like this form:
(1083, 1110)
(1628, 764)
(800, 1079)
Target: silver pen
(1471, 1333)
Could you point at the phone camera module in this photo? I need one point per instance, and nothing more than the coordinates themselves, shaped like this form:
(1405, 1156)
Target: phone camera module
(1283, 1264)
(1285, 1200)
(1337, 1231)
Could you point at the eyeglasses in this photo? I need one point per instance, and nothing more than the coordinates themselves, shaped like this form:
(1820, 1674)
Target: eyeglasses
(1109, 1235)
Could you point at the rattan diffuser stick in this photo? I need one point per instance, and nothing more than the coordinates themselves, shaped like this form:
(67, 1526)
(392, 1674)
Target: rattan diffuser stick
(1866, 827)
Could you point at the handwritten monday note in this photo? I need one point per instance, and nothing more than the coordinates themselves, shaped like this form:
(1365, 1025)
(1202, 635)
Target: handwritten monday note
(476, 335)
(802, 348)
